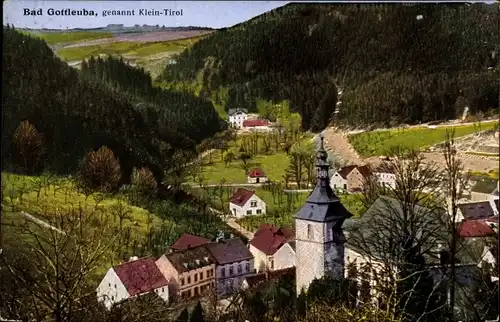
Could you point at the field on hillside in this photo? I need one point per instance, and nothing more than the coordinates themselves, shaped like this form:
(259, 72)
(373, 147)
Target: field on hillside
(53, 38)
(376, 143)
(49, 199)
(133, 49)
(280, 206)
(274, 162)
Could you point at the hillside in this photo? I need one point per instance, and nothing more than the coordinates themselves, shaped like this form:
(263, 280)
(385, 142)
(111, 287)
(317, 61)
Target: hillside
(108, 103)
(393, 63)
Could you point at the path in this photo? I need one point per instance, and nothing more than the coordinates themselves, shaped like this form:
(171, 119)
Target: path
(338, 142)
(41, 222)
(231, 222)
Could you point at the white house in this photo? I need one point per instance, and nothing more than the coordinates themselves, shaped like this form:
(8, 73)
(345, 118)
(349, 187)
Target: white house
(233, 263)
(385, 177)
(133, 278)
(338, 180)
(273, 248)
(237, 116)
(257, 176)
(245, 202)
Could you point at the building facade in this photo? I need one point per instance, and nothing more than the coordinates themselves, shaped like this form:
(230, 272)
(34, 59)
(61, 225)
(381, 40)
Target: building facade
(191, 272)
(245, 202)
(237, 117)
(273, 248)
(318, 230)
(256, 175)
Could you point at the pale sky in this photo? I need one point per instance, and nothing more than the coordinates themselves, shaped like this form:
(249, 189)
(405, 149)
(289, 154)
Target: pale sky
(215, 14)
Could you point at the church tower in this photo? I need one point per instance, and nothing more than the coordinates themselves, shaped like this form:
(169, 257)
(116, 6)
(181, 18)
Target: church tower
(318, 230)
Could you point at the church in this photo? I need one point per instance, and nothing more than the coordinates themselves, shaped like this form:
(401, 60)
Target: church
(318, 230)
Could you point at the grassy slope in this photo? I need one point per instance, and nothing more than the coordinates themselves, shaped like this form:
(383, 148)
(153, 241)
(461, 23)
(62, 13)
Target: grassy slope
(21, 192)
(53, 38)
(377, 143)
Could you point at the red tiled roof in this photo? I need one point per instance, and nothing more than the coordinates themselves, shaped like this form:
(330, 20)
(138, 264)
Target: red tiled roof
(268, 239)
(252, 123)
(140, 276)
(343, 172)
(475, 228)
(241, 196)
(256, 173)
(187, 241)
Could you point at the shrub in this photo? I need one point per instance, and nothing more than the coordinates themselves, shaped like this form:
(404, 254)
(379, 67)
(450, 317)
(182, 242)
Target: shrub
(101, 170)
(144, 179)
(28, 144)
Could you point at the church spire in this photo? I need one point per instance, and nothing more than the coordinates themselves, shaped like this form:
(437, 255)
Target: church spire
(322, 192)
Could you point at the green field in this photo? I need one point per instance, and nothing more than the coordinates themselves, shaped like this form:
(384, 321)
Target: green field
(133, 49)
(281, 206)
(53, 38)
(378, 143)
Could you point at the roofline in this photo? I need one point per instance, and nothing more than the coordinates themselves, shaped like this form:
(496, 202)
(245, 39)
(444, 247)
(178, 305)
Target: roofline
(238, 260)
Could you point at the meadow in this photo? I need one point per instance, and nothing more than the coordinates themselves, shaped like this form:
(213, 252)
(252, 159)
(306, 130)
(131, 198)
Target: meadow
(66, 37)
(377, 143)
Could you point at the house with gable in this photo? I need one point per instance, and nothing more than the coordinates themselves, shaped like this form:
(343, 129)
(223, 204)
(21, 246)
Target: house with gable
(237, 116)
(485, 189)
(233, 263)
(256, 175)
(385, 175)
(130, 279)
(191, 271)
(273, 248)
(245, 202)
(350, 178)
(188, 241)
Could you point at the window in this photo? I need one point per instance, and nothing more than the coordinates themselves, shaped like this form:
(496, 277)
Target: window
(189, 279)
(259, 211)
(239, 269)
(115, 285)
(247, 267)
(112, 298)
(195, 277)
(253, 203)
(271, 262)
(334, 186)
(182, 281)
(162, 289)
(249, 212)
(201, 275)
(345, 186)
(310, 234)
(231, 270)
(223, 272)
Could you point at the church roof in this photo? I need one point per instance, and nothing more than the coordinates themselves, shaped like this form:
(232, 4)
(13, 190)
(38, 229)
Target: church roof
(322, 204)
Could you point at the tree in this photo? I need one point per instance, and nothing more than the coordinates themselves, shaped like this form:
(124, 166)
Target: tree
(183, 317)
(198, 315)
(144, 180)
(101, 170)
(29, 146)
(244, 158)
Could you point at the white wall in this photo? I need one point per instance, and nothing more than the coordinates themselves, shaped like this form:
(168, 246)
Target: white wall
(227, 283)
(162, 292)
(337, 182)
(242, 211)
(254, 180)
(284, 257)
(387, 179)
(237, 119)
(111, 290)
(261, 261)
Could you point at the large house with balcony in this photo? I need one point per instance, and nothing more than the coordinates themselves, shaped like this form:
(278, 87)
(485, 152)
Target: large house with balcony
(234, 262)
(191, 272)
(245, 202)
(273, 248)
(237, 116)
(130, 279)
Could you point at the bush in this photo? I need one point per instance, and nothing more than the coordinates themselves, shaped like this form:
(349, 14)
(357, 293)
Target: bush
(28, 144)
(101, 170)
(144, 180)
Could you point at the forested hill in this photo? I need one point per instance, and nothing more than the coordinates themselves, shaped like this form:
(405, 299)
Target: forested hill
(108, 103)
(395, 63)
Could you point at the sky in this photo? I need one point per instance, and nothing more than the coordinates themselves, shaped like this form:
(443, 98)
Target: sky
(214, 14)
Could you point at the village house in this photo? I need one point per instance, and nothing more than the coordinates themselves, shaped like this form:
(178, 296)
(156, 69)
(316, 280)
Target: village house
(245, 202)
(130, 279)
(191, 271)
(257, 125)
(233, 262)
(385, 176)
(257, 176)
(485, 189)
(476, 211)
(188, 241)
(273, 248)
(237, 116)
(350, 178)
